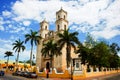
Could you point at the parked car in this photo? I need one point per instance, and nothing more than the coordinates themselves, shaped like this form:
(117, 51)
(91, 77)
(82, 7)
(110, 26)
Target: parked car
(16, 73)
(2, 73)
(31, 75)
(21, 73)
(25, 74)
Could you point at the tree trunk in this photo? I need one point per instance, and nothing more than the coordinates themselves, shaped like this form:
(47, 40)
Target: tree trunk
(68, 56)
(7, 63)
(31, 56)
(17, 59)
(51, 62)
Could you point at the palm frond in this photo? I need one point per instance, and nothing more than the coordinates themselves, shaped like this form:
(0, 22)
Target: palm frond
(68, 39)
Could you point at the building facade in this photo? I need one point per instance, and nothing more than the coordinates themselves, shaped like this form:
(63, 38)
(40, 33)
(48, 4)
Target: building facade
(58, 62)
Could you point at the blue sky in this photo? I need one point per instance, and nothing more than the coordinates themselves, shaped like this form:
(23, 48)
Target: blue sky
(101, 18)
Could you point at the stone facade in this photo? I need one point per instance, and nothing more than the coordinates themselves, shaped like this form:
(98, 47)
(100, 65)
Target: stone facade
(58, 62)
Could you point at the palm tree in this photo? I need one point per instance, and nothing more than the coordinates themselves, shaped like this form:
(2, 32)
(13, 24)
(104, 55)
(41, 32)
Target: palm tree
(68, 39)
(8, 54)
(34, 38)
(50, 49)
(18, 46)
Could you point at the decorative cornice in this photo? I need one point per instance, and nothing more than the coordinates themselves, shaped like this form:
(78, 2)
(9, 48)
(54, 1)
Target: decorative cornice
(43, 30)
(61, 19)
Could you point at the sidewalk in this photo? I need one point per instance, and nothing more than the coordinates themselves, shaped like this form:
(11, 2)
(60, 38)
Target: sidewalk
(103, 77)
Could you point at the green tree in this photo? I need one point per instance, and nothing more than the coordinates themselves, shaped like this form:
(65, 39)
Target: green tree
(90, 42)
(85, 50)
(114, 58)
(50, 49)
(8, 54)
(33, 63)
(18, 47)
(114, 61)
(114, 48)
(34, 38)
(101, 52)
(21, 61)
(83, 53)
(68, 39)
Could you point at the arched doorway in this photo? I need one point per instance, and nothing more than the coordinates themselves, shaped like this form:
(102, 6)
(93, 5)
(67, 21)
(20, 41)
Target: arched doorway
(48, 66)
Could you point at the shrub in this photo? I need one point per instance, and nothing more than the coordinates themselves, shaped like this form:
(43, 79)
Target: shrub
(88, 70)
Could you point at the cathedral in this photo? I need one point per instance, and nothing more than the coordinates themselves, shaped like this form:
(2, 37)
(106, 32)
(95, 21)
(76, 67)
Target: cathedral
(58, 62)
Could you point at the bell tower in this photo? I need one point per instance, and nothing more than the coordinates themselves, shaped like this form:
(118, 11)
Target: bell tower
(61, 20)
(44, 28)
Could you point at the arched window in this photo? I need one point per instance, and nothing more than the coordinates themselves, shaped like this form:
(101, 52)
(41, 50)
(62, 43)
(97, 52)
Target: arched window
(58, 17)
(45, 35)
(58, 28)
(64, 27)
(45, 27)
(64, 16)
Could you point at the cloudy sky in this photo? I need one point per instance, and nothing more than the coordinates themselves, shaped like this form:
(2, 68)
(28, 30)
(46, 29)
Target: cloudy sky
(101, 18)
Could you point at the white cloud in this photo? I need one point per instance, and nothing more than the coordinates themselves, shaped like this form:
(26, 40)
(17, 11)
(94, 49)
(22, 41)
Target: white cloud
(24, 10)
(1, 20)
(26, 23)
(5, 41)
(7, 46)
(95, 12)
(6, 13)
(12, 37)
(78, 12)
(85, 14)
(1, 28)
(10, 26)
(1, 24)
(90, 11)
(2, 51)
(107, 34)
(17, 29)
(25, 55)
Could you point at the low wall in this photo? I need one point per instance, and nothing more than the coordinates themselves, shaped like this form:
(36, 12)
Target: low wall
(54, 74)
(94, 74)
(83, 75)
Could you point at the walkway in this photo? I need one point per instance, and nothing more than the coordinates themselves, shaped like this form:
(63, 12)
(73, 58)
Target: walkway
(106, 77)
